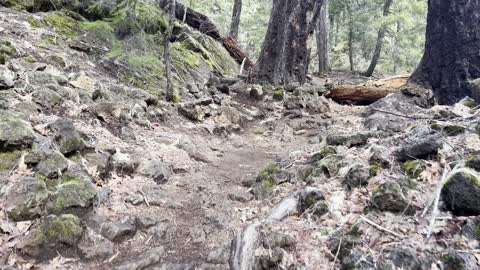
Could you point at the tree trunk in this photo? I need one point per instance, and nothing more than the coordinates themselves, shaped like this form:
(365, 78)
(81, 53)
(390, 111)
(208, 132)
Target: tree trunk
(451, 57)
(170, 95)
(380, 37)
(237, 11)
(284, 55)
(350, 39)
(323, 29)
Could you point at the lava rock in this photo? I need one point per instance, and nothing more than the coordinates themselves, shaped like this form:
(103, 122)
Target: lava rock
(52, 165)
(72, 195)
(455, 260)
(357, 176)
(67, 138)
(390, 196)
(15, 133)
(143, 261)
(256, 92)
(421, 142)
(349, 139)
(471, 229)
(158, 170)
(94, 246)
(26, 199)
(461, 193)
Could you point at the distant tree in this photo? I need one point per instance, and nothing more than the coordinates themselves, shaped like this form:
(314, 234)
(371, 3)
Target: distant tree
(285, 51)
(381, 35)
(323, 40)
(451, 57)
(170, 93)
(235, 24)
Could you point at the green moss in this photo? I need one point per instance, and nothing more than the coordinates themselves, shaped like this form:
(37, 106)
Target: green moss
(414, 168)
(278, 95)
(65, 228)
(176, 98)
(375, 169)
(33, 22)
(9, 160)
(29, 59)
(100, 31)
(19, 4)
(259, 132)
(62, 24)
(268, 184)
(2, 59)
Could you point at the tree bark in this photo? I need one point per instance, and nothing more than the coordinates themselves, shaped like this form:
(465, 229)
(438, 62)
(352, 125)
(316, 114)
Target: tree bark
(350, 39)
(451, 58)
(381, 35)
(170, 94)
(323, 40)
(237, 11)
(284, 54)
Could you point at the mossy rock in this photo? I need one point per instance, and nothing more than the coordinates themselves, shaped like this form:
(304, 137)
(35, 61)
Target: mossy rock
(357, 176)
(72, 195)
(65, 229)
(62, 24)
(278, 95)
(450, 129)
(390, 196)
(33, 22)
(26, 199)
(413, 168)
(474, 162)
(46, 98)
(15, 133)
(2, 59)
(461, 193)
(375, 170)
(329, 166)
(18, 4)
(52, 165)
(324, 152)
(9, 160)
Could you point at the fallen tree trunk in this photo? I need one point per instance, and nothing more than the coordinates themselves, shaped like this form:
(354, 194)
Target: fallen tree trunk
(204, 25)
(237, 53)
(368, 92)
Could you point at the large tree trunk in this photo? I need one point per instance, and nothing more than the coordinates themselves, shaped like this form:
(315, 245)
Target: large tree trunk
(379, 45)
(237, 11)
(452, 49)
(323, 29)
(170, 95)
(284, 55)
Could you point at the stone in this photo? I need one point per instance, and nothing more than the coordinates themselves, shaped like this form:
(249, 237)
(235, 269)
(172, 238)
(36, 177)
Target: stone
(85, 83)
(25, 199)
(9, 160)
(324, 152)
(240, 197)
(7, 78)
(158, 170)
(380, 156)
(94, 246)
(52, 165)
(471, 229)
(455, 260)
(308, 199)
(406, 258)
(461, 193)
(115, 231)
(65, 229)
(145, 223)
(122, 163)
(357, 260)
(144, 260)
(413, 168)
(421, 142)
(389, 196)
(15, 133)
(473, 162)
(357, 176)
(328, 166)
(46, 98)
(72, 195)
(349, 139)
(143, 95)
(256, 92)
(107, 110)
(192, 111)
(449, 128)
(66, 137)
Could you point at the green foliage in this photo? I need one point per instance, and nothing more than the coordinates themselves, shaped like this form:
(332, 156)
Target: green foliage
(33, 22)
(62, 24)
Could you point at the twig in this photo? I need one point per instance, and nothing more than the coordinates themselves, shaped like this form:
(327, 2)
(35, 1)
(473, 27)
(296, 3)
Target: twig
(144, 198)
(113, 257)
(380, 227)
(338, 252)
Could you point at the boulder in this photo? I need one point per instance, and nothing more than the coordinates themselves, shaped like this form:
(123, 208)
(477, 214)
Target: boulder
(455, 260)
(66, 137)
(112, 230)
(380, 156)
(7, 78)
(474, 162)
(53, 165)
(94, 246)
(26, 199)
(46, 98)
(122, 163)
(421, 142)
(471, 229)
(461, 193)
(389, 196)
(256, 92)
(357, 176)
(72, 195)
(15, 133)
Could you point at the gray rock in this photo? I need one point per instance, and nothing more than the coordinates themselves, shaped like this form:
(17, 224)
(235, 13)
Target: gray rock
(471, 229)
(144, 260)
(389, 196)
(192, 111)
(357, 260)
(52, 165)
(15, 133)
(349, 139)
(474, 162)
(357, 176)
(72, 195)
(407, 258)
(455, 260)
(158, 170)
(122, 163)
(308, 199)
(379, 155)
(46, 98)
(66, 137)
(240, 197)
(94, 246)
(145, 223)
(420, 143)
(26, 199)
(113, 231)
(461, 193)
(6, 78)
(256, 92)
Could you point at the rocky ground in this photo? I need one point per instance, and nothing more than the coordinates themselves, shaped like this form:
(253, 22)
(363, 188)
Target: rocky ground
(99, 173)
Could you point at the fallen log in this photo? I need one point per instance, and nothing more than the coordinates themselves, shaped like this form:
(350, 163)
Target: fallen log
(368, 92)
(238, 54)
